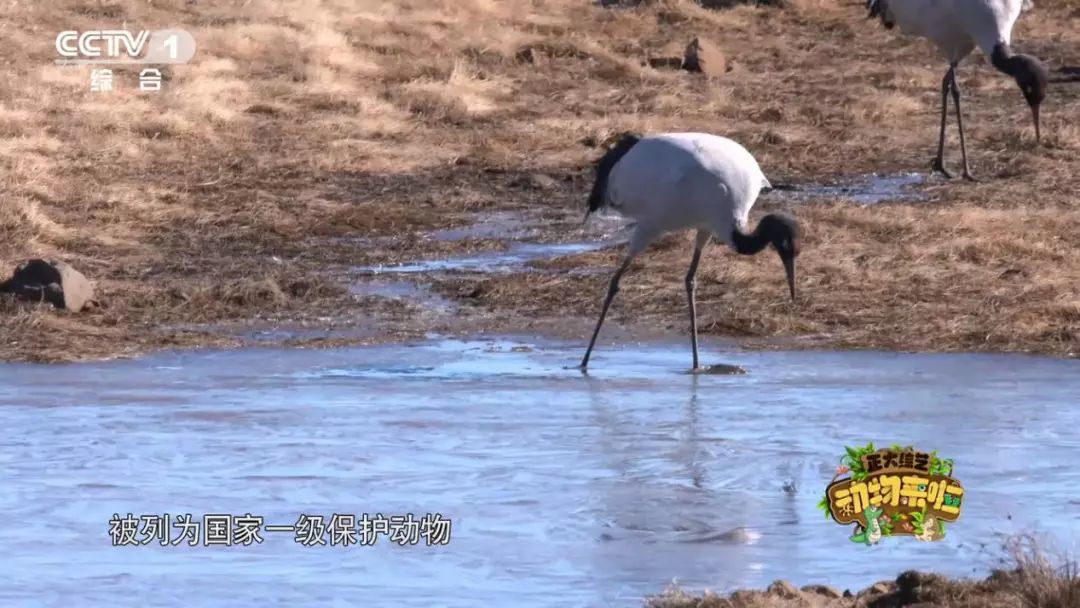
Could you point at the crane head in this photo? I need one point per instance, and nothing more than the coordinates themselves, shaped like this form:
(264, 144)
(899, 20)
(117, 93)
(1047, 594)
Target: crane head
(1032, 77)
(785, 235)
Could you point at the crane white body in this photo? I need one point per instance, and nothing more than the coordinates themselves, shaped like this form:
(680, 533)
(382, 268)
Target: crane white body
(677, 181)
(956, 27)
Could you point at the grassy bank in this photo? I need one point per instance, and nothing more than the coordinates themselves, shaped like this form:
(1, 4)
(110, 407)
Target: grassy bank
(1034, 580)
(246, 188)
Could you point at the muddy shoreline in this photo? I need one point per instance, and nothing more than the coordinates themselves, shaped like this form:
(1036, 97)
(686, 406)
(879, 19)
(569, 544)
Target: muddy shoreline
(442, 279)
(1040, 585)
(495, 271)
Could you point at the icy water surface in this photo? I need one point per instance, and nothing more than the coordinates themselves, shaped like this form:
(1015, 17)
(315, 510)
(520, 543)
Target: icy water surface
(863, 190)
(514, 258)
(561, 489)
(520, 232)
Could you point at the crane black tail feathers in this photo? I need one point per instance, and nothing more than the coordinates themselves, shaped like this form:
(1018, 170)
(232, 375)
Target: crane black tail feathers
(879, 9)
(605, 164)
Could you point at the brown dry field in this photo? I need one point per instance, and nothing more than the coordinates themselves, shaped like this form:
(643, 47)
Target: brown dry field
(305, 134)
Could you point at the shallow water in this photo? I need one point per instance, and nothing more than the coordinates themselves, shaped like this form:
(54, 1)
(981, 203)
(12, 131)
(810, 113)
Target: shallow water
(519, 230)
(402, 291)
(561, 488)
(864, 190)
(514, 258)
(491, 225)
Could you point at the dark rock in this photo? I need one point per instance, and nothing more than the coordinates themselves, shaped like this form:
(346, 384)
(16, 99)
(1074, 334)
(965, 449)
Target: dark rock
(50, 281)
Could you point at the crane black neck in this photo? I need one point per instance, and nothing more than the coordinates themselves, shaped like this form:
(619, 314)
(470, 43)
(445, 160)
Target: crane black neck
(778, 229)
(1005, 60)
(749, 243)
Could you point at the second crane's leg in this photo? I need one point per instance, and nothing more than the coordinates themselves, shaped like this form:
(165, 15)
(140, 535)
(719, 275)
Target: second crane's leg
(613, 288)
(960, 123)
(691, 288)
(939, 162)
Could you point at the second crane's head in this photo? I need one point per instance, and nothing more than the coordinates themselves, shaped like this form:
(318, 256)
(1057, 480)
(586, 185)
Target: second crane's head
(784, 234)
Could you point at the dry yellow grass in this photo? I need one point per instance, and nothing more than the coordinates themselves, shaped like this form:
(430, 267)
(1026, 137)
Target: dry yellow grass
(301, 125)
(1035, 580)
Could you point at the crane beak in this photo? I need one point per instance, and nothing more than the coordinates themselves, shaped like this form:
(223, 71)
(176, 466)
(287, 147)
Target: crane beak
(789, 268)
(1035, 115)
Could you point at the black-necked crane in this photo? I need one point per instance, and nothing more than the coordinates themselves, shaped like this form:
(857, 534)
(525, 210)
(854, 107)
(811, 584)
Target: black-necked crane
(678, 181)
(956, 27)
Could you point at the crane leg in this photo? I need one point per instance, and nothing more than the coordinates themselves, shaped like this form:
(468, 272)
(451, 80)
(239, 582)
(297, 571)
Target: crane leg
(613, 288)
(960, 123)
(691, 288)
(939, 161)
